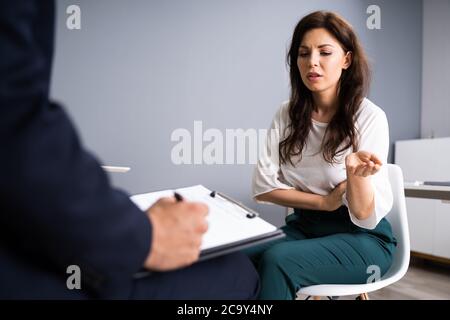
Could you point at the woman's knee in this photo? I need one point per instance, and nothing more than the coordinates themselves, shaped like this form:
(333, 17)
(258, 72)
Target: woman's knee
(274, 257)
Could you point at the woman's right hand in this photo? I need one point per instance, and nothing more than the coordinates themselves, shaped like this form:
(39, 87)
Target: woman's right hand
(333, 200)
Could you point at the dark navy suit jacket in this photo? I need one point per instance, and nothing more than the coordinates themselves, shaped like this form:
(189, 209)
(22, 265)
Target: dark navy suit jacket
(57, 207)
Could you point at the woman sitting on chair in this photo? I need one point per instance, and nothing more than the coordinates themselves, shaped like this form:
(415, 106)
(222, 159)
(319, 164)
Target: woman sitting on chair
(328, 164)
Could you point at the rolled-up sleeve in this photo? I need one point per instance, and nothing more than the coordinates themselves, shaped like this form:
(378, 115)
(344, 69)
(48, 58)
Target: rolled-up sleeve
(267, 175)
(374, 138)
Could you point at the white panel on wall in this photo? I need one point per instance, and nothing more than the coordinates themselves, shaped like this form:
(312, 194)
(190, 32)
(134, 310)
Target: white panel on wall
(421, 219)
(429, 219)
(442, 233)
(424, 159)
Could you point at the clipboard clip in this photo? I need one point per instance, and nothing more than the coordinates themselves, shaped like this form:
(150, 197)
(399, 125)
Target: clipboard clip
(250, 213)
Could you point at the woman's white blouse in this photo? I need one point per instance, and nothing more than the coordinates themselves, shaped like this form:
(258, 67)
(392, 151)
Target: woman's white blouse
(313, 174)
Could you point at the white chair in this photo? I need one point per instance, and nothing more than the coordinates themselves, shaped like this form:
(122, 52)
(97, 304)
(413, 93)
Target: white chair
(399, 222)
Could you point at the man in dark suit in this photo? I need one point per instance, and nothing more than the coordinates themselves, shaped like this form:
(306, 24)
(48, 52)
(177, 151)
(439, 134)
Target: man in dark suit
(58, 209)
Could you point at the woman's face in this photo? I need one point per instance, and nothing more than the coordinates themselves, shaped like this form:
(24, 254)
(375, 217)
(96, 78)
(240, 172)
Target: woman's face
(321, 60)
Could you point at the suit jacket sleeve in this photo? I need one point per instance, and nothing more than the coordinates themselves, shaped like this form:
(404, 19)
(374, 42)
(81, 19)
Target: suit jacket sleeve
(56, 202)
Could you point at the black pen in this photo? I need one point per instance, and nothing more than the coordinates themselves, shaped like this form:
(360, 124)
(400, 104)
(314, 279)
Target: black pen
(178, 196)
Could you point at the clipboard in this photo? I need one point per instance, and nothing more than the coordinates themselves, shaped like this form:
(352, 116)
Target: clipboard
(246, 242)
(231, 225)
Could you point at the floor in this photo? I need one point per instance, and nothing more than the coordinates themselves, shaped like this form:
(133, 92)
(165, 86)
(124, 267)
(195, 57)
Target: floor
(424, 280)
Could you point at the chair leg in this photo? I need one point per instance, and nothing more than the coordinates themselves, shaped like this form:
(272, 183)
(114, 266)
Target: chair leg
(320, 298)
(363, 296)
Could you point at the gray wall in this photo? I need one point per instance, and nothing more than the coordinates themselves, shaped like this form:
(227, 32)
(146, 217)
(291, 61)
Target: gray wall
(436, 69)
(138, 70)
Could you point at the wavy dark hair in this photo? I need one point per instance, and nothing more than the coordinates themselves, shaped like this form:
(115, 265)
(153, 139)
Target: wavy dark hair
(341, 133)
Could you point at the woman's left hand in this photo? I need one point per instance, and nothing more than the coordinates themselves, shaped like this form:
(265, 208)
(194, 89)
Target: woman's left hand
(362, 164)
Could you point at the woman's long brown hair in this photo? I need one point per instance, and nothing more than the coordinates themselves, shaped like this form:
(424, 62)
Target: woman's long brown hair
(353, 85)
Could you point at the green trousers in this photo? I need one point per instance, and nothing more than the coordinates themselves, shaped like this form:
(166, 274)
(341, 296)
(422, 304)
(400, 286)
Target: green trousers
(321, 247)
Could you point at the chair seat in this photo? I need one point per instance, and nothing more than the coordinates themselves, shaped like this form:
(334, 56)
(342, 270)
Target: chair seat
(348, 289)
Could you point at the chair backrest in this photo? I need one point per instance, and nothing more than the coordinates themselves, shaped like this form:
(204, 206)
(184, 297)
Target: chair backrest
(399, 222)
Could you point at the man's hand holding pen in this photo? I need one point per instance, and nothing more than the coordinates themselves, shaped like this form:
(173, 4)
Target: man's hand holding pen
(178, 227)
